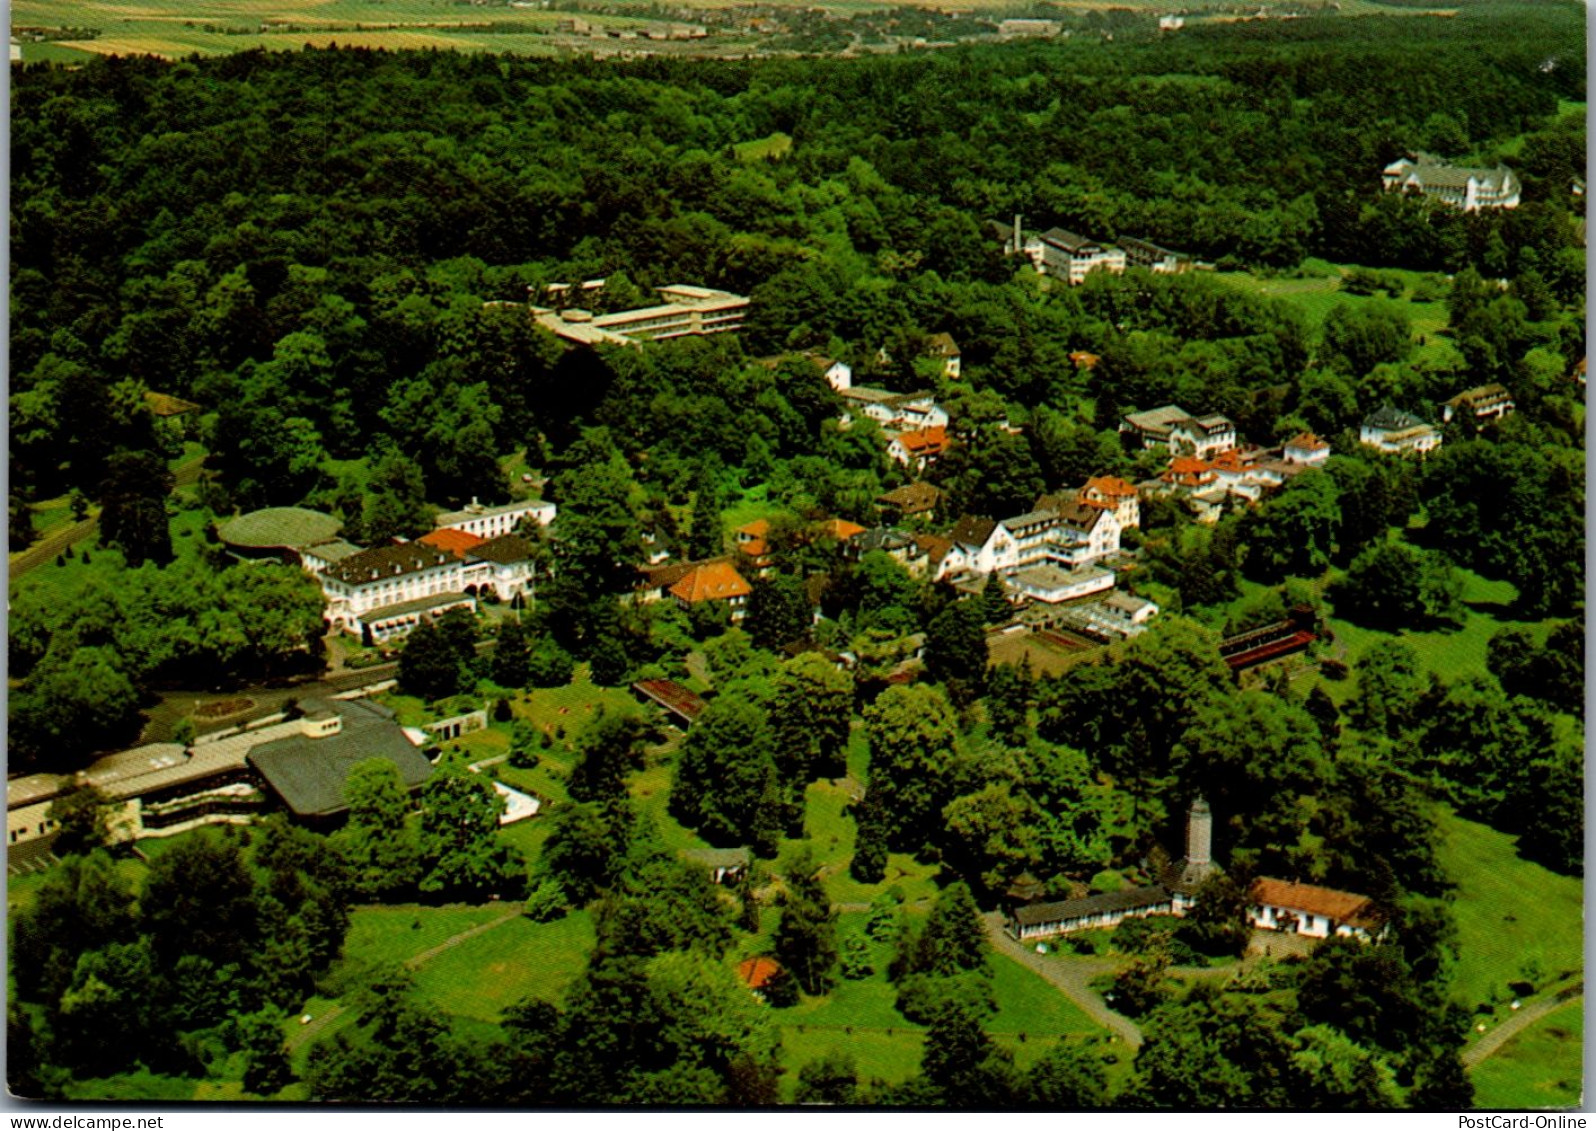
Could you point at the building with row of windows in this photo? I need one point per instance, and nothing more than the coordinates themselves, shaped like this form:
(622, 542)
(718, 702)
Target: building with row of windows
(684, 310)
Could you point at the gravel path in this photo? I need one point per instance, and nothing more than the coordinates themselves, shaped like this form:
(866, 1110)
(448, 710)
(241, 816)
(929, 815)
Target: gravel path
(1073, 977)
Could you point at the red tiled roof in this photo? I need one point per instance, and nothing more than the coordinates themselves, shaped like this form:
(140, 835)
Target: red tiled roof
(756, 973)
(1337, 906)
(1188, 465)
(714, 581)
(839, 528)
(457, 542)
(756, 529)
(1308, 442)
(926, 441)
(1110, 485)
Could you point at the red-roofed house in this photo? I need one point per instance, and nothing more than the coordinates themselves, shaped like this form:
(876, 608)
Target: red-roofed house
(1189, 471)
(753, 541)
(1306, 448)
(713, 581)
(756, 973)
(920, 448)
(1281, 905)
(1112, 493)
(456, 542)
(838, 529)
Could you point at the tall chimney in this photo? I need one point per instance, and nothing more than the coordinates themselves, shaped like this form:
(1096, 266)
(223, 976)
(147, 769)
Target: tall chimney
(1199, 833)
(1019, 240)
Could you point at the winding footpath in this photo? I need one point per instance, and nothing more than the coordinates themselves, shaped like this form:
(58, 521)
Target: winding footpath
(1493, 1041)
(1073, 979)
(310, 1031)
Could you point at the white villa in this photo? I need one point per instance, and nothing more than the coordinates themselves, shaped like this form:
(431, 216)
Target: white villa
(1400, 433)
(1060, 531)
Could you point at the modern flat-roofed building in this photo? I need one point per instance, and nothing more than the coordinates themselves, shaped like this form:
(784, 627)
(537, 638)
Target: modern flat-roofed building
(684, 310)
(1158, 260)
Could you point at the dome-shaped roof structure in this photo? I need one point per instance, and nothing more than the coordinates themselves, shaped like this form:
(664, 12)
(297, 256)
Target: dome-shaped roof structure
(279, 527)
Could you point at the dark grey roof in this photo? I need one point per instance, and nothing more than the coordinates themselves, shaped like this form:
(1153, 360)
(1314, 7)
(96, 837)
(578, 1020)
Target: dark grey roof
(381, 563)
(1148, 248)
(506, 549)
(1128, 900)
(1069, 241)
(973, 530)
(309, 773)
(882, 538)
(1390, 419)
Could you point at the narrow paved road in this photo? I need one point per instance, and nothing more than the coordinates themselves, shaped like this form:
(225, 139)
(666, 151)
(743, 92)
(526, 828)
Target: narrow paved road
(1073, 978)
(318, 1025)
(1507, 1030)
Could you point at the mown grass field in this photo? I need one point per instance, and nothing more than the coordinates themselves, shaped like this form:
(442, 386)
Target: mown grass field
(1542, 1067)
(860, 1020)
(483, 975)
(1316, 291)
(1516, 920)
(1451, 654)
(766, 148)
(383, 936)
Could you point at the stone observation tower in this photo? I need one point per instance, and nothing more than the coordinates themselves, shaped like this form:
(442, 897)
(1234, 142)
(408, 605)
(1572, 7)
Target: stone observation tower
(1185, 877)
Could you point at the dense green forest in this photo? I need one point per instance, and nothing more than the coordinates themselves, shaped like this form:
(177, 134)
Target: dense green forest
(304, 244)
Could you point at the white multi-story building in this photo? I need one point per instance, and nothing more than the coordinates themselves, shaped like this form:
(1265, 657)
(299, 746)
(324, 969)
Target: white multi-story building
(1070, 257)
(684, 310)
(1400, 433)
(903, 411)
(1467, 189)
(385, 591)
(1060, 532)
(491, 522)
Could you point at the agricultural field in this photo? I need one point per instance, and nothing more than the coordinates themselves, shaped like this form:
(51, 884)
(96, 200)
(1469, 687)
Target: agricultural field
(80, 29)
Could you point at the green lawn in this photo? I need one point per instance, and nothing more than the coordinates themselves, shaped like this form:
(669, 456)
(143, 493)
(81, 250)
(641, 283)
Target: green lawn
(754, 504)
(1512, 915)
(567, 708)
(1453, 654)
(500, 967)
(1539, 1068)
(134, 1087)
(390, 935)
(1319, 291)
(64, 583)
(776, 145)
(1028, 1004)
